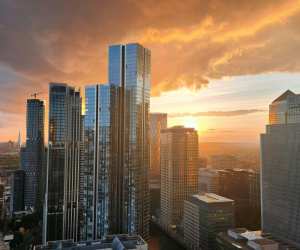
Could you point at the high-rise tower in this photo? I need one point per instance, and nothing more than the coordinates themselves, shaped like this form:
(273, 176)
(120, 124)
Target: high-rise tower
(116, 196)
(179, 172)
(280, 164)
(62, 192)
(32, 155)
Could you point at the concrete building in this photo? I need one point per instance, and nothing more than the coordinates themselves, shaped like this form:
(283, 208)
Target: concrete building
(280, 175)
(205, 215)
(179, 172)
(110, 242)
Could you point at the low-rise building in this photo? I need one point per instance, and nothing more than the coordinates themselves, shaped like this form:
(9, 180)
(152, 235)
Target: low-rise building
(205, 215)
(110, 242)
(243, 239)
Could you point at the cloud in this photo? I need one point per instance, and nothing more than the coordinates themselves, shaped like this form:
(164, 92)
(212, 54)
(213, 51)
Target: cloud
(192, 42)
(219, 113)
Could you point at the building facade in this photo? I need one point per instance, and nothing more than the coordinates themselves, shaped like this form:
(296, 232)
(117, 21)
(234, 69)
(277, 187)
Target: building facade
(208, 180)
(206, 215)
(179, 172)
(17, 191)
(116, 147)
(158, 121)
(32, 155)
(243, 187)
(64, 145)
(280, 176)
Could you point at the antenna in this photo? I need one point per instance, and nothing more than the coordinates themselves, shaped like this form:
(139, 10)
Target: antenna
(35, 94)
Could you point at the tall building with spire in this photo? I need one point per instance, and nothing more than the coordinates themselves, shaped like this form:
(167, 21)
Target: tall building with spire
(63, 166)
(116, 194)
(280, 164)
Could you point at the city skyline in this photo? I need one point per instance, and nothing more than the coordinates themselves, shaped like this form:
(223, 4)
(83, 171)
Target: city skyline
(224, 68)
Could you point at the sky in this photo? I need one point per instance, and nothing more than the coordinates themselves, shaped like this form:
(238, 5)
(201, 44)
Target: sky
(216, 64)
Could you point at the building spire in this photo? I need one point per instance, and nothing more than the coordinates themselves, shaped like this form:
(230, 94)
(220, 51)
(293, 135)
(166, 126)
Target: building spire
(19, 139)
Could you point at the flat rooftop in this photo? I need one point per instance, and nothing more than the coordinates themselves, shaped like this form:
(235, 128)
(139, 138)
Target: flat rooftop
(211, 198)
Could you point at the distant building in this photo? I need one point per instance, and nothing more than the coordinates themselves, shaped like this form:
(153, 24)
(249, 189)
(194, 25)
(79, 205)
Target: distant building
(223, 161)
(64, 147)
(32, 155)
(208, 180)
(17, 191)
(110, 242)
(205, 215)
(242, 239)
(243, 186)
(179, 172)
(280, 175)
(158, 121)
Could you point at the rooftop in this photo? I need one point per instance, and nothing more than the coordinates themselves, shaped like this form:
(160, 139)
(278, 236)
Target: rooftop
(283, 96)
(211, 198)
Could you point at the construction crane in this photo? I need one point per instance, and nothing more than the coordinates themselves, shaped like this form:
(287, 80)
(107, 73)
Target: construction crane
(35, 94)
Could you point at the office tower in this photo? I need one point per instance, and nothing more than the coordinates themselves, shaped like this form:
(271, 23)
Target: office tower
(17, 193)
(64, 145)
(179, 172)
(280, 176)
(242, 186)
(158, 121)
(223, 161)
(116, 193)
(206, 215)
(208, 180)
(243, 239)
(32, 155)
(110, 242)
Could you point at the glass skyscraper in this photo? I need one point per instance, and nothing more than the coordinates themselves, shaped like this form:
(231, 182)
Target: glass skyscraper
(116, 147)
(32, 155)
(280, 175)
(64, 147)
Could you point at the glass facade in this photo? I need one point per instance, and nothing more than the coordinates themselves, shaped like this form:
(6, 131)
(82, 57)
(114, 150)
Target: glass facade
(32, 155)
(116, 195)
(64, 160)
(280, 175)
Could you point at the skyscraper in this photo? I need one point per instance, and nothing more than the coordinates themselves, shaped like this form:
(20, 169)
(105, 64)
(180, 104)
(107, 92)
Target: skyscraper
(179, 172)
(64, 147)
(158, 121)
(280, 163)
(116, 196)
(32, 155)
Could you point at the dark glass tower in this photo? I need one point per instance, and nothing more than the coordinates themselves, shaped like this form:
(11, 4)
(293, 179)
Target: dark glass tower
(117, 146)
(32, 155)
(62, 192)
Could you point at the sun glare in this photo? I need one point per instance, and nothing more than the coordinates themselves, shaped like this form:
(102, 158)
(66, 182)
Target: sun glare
(190, 122)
